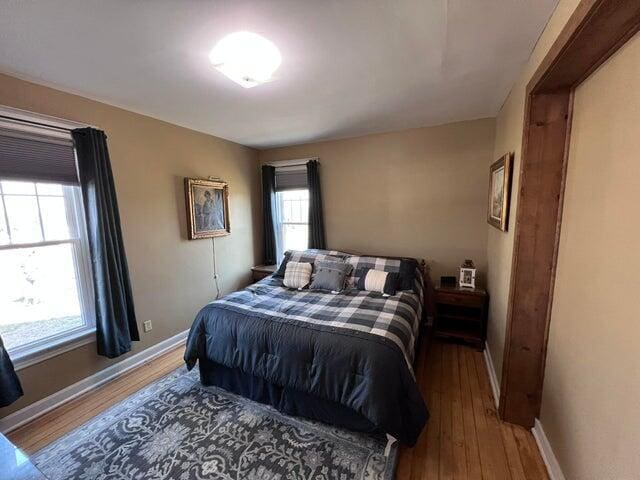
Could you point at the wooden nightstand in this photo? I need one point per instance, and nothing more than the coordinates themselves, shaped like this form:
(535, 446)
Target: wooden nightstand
(260, 271)
(461, 314)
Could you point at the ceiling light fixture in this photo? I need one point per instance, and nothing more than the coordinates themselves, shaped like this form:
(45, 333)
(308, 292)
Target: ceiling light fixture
(246, 58)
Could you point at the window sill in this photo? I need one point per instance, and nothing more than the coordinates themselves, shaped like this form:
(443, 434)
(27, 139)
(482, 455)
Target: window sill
(53, 349)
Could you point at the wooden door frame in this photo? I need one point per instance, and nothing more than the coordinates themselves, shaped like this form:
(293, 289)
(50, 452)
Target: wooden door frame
(595, 31)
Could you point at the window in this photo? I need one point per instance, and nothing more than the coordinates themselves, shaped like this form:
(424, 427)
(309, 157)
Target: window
(46, 294)
(292, 220)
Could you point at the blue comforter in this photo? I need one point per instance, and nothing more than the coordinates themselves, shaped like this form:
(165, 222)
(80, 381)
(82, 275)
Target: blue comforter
(354, 348)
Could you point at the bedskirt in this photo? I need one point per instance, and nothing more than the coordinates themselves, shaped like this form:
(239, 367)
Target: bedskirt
(287, 400)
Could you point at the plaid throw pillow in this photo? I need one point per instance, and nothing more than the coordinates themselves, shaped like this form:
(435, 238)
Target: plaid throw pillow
(308, 256)
(297, 275)
(404, 267)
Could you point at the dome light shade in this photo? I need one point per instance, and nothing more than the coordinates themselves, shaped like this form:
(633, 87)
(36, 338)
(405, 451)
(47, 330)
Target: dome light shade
(246, 58)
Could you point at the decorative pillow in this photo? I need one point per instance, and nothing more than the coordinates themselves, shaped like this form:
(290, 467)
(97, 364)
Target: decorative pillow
(404, 267)
(380, 281)
(407, 274)
(330, 275)
(297, 275)
(308, 256)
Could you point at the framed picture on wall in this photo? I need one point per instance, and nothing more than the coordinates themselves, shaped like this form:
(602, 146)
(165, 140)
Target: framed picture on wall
(207, 208)
(499, 192)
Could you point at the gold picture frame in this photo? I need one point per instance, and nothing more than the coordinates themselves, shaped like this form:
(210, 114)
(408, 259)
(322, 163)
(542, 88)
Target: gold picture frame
(500, 192)
(207, 208)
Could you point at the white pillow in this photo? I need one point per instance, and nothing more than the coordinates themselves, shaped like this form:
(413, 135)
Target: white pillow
(297, 275)
(375, 281)
(378, 281)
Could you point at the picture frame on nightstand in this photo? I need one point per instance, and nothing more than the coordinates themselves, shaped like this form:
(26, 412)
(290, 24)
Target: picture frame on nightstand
(468, 278)
(467, 275)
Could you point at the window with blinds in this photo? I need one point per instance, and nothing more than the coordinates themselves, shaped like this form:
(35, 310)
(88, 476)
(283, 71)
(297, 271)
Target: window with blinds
(46, 293)
(292, 209)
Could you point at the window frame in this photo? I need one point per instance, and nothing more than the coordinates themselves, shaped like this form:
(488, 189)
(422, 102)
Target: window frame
(24, 355)
(48, 347)
(280, 224)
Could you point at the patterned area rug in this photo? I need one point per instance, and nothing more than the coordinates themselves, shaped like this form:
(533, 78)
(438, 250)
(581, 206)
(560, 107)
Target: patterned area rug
(178, 429)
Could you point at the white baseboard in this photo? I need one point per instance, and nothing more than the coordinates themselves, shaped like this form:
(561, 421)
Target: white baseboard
(493, 379)
(549, 458)
(39, 408)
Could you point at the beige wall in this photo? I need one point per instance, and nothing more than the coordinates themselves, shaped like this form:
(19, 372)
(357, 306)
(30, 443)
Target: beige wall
(591, 396)
(171, 276)
(419, 192)
(509, 125)
(590, 410)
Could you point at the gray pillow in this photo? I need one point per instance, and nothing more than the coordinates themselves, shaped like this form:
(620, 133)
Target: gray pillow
(330, 275)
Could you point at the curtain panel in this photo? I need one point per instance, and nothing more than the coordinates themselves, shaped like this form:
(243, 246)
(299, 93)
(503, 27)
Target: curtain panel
(116, 325)
(268, 208)
(10, 388)
(316, 217)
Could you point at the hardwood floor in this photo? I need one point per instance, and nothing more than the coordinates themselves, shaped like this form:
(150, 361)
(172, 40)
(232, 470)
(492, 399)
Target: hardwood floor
(463, 440)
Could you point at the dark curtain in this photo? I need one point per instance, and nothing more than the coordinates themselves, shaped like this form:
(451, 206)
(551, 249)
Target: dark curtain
(10, 389)
(316, 218)
(116, 323)
(268, 206)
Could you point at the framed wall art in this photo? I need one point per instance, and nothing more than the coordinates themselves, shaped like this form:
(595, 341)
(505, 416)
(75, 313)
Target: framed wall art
(500, 192)
(207, 208)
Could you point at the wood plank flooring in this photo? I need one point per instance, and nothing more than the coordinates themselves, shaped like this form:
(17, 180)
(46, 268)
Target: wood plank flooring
(464, 438)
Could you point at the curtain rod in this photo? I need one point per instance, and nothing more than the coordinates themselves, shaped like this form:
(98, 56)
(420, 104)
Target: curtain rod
(291, 163)
(26, 117)
(35, 124)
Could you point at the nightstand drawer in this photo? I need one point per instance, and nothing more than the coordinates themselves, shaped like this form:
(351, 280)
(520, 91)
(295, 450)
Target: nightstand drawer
(460, 299)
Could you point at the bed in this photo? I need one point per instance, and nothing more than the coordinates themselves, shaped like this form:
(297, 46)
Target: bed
(344, 359)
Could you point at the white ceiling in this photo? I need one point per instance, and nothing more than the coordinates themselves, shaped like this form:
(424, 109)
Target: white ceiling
(349, 67)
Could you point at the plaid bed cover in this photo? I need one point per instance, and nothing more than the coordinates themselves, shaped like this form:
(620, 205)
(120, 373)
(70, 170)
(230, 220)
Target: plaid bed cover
(395, 318)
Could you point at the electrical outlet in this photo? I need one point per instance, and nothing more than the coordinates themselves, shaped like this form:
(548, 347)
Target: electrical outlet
(148, 325)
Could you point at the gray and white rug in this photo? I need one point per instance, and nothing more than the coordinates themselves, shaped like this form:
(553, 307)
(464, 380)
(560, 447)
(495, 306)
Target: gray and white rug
(177, 429)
